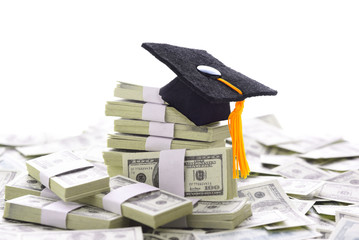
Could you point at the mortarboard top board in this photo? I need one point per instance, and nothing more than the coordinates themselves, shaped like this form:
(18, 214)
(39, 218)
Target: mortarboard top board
(202, 90)
(200, 96)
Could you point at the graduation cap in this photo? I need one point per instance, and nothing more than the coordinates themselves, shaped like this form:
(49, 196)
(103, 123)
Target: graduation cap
(203, 89)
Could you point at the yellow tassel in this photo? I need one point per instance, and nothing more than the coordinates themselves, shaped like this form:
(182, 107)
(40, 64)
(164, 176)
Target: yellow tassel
(235, 129)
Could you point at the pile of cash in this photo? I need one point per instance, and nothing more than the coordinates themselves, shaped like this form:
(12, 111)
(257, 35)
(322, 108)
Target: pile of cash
(144, 116)
(300, 187)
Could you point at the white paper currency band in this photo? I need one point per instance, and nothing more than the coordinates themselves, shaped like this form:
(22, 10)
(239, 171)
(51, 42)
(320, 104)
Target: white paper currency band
(171, 171)
(113, 200)
(154, 112)
(60, 169)
(48, 194)
(157, 143)
(161, 129)
(55, 214)
(151, 94)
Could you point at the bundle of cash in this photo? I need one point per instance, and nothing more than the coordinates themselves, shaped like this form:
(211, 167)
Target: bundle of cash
(133, 110)
(30, 208)
(219, 214)
(207, 133)
(137, 92)
(68, 176)
(138, 142)
(27, 185)
(207, 171)
(154, 208)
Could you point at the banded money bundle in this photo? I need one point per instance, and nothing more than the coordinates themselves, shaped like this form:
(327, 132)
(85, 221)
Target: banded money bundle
(153, 125)
(152, 207)
(207, 171)
(68, 176)
(216, 215)
(46, 211)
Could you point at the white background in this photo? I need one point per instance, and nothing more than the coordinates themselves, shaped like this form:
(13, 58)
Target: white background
(60, 60)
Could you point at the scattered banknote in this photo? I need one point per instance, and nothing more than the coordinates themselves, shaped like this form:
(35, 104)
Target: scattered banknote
(349, 177)
(269, 195)
(309, 143)
(346, 229)
(73, 143)
(17, 140)
(338, 150)
(261, 233)
(341, 164)
(301, 170)
(339, 192)
(129, 233)
(265, 133)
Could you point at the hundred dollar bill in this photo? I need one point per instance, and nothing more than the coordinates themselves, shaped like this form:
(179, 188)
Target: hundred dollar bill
(332, 207)
(265, 133)
(26, 227)
(303, 187)
(337, 150)
(348, 212)
(260, 233)
(28, 209)
(206, 172)
(339, 192)
(16, 140)
(208, 133)
(153, 209)
(279, 159)
(262, 218)
(177, 234)
(341, 164)
(301, 170)
(138, 142)
(150, 236)
(309, 143)
(74, 143)
(69, 185)
(133, 110)
(269, 195)
(303, 206)
(321, 224)
(12, 160)
(350, 177)
(346, 229)
(130, 233)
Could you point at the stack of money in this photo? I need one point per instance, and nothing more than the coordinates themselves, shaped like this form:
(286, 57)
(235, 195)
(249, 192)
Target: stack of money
(219, 214)
(207, 171)
(68, 176)
(29, 208)
(154, 208)
(139, 104)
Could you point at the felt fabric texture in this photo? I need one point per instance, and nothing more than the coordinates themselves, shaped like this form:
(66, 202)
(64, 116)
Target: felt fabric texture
(196, 108)
(184, 61)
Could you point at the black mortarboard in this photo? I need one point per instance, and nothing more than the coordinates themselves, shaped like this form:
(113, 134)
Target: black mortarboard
(200, 97)
(203, 89)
